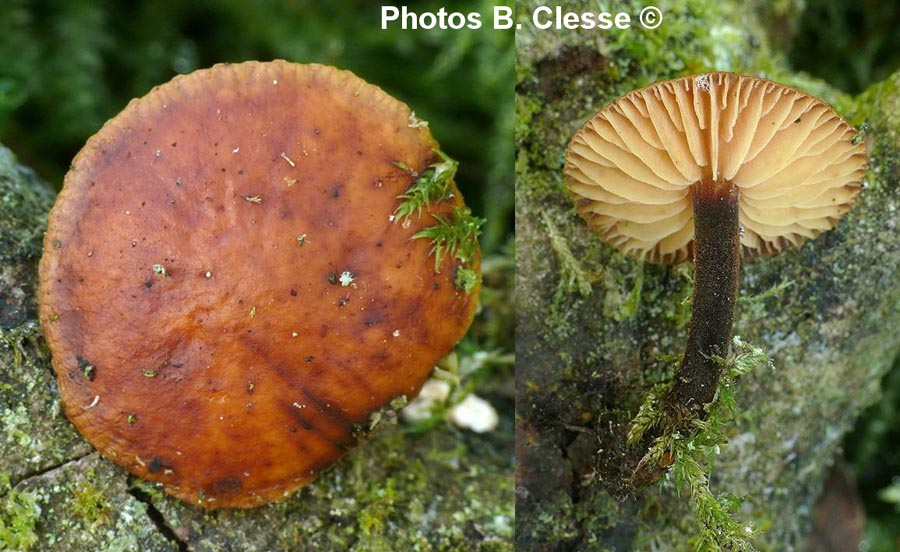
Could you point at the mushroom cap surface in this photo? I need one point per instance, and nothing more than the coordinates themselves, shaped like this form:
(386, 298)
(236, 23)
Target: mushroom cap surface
(793, 159)
(224, 288)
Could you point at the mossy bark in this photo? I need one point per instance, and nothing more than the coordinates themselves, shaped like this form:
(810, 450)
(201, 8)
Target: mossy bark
(402, 489)
(595, 330)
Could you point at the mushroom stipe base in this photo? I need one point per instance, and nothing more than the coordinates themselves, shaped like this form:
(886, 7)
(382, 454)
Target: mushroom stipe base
(717, 264)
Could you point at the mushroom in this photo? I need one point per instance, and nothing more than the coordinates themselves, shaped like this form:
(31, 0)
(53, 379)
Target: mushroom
(710, 167)
(227, 290)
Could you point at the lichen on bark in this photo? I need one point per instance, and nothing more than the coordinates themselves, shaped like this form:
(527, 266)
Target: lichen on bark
(588, 357)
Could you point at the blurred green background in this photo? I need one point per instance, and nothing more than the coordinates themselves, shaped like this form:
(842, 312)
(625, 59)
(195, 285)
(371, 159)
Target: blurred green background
(849, 44)
(66, 66)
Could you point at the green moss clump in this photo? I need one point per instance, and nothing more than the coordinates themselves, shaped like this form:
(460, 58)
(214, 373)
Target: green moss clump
(19, 515)
(455, 235)
(466, 279)
(430, 187)
(686, 447)
(91, 502)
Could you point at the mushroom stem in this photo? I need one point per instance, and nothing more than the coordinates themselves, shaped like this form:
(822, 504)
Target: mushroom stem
(717, 264)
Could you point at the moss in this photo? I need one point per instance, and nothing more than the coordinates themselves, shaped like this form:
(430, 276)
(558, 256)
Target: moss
(881, 104)
(685, 447)
(83, 505)
(396, 491)
(24, 202)
(455, 236)
(494, 326)
(18, 519)
(34, 434)
(572, 277)
(430, 187)
(91, 502)
(870, 451)
(466, 279)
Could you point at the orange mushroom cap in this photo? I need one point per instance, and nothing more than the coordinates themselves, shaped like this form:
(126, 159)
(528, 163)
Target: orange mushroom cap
(225, 289)
(793, 160)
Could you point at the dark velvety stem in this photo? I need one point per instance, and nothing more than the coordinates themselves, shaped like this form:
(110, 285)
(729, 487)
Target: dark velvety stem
(717, 264)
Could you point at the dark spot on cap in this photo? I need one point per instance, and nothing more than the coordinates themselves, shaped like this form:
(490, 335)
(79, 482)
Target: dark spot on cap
(293, 293)
(372, 320)
(156, 464)
(227, 485)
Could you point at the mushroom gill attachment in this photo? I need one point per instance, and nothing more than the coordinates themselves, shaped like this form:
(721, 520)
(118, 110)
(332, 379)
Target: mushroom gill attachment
(225, 288)
(713, 167)
(793, 161)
